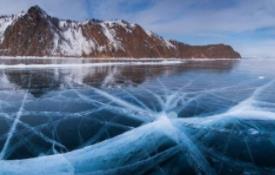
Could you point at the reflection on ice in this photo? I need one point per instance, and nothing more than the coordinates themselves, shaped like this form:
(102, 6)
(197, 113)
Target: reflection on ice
(171, 119)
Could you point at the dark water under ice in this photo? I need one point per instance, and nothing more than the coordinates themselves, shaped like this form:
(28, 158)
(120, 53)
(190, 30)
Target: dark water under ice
(194, 117)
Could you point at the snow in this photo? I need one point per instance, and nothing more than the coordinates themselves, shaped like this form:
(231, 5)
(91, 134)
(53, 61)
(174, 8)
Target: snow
(5, 22)
(126, 59)
(111, 35)
(128, 27)
(74, 65)
(71, 41)
(149, 33)
(124, 24)
(167, 43)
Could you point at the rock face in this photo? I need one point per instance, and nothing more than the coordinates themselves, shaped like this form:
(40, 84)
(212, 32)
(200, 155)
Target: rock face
(35, 33)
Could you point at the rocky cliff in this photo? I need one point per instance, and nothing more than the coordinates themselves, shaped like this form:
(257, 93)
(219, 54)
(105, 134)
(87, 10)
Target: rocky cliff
(35, 33)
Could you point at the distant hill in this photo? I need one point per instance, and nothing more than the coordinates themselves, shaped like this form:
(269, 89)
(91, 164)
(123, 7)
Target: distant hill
(35, 33)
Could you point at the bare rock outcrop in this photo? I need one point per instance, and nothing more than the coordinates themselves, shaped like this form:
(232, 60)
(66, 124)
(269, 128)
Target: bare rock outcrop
(35, 33)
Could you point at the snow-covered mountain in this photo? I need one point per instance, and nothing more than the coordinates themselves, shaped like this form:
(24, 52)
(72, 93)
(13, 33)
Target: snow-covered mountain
(35, 33)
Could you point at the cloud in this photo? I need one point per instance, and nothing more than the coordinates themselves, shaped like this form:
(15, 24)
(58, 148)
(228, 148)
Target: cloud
(163, 16)
(235, 22)
(72, 9)
(264, 48)
(187, 16)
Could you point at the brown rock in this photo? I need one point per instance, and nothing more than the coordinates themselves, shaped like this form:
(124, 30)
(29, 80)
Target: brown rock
(37, 34)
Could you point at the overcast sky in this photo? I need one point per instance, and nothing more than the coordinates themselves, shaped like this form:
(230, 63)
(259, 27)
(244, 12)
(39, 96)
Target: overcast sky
(248, 25)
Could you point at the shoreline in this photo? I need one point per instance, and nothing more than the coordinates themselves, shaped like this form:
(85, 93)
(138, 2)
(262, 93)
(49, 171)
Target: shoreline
(79, 65)
(9, 63)
(110, 58)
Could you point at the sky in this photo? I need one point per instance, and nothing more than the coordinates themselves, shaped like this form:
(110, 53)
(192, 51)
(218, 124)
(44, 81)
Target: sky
(247, 25)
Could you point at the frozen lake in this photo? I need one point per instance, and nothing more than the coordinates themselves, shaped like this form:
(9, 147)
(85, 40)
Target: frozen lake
(86, 117)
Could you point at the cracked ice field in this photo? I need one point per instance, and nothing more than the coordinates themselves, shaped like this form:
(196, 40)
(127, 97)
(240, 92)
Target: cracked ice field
(189, 117)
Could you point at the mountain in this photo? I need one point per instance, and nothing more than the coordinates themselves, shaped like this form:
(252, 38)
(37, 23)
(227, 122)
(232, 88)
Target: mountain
(35, 33)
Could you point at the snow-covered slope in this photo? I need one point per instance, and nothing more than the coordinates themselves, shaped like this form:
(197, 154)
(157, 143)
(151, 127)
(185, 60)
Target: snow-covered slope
(71, 41)
(5, 22)
(35, 33)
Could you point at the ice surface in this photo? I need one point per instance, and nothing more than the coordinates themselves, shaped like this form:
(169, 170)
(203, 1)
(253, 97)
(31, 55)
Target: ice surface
(211, 117)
